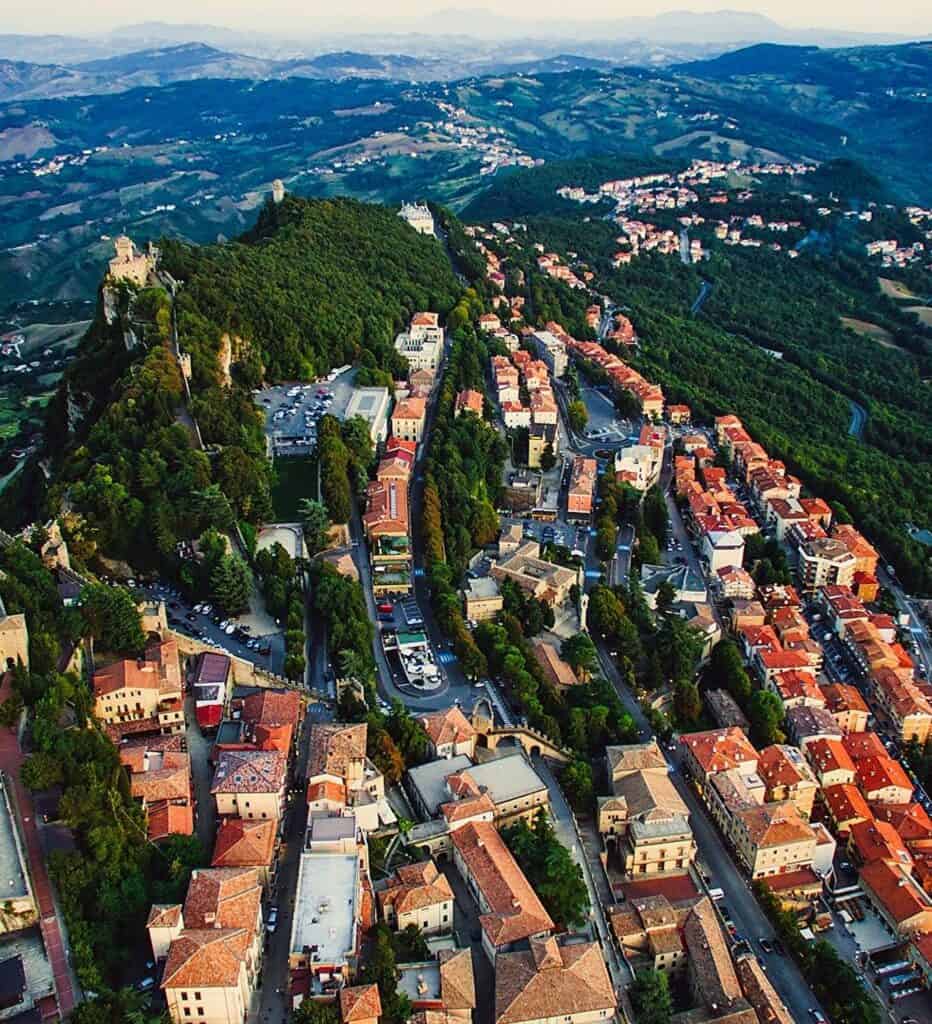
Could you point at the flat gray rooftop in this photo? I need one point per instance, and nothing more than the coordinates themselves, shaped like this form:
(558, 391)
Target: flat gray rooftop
(505, 778)
(330, 829)
(325, 905)
(13, 882)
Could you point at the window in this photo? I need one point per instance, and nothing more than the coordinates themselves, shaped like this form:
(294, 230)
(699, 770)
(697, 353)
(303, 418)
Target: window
(187, 1011)
(184, 997)
(197, 996)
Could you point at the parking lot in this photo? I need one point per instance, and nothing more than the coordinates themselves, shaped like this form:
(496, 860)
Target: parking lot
(567, 535)
(205, 623)
(602, 425)
(292, 411)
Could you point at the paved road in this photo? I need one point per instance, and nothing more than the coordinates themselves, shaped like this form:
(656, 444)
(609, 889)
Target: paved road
(858, 419)
(455, 684)
(745, 912)
(273, 996)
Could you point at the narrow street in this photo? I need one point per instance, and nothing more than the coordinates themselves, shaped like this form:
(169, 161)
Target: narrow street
(567, 832)
(273, 1005)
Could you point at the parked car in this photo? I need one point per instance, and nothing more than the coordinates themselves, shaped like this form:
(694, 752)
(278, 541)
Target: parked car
(271, 922)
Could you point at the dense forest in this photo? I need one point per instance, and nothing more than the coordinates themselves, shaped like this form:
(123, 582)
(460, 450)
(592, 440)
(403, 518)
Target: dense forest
(314, 285)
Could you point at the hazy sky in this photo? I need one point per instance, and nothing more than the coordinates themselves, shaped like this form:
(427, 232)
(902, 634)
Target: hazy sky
(284, 15)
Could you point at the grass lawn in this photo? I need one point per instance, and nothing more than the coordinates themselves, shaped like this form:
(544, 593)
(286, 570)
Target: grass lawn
(295, 478)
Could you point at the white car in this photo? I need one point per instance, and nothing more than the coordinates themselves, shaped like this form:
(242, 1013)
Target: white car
(230, 629)
(271, 922)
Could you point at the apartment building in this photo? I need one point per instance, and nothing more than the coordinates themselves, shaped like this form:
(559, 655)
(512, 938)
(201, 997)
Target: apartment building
(407, 419)
(418, 895)
(552, 350)
(251, 783)
(144, 694)
(831, 764)
(549, 982)
(903, 906)
(510, 911)
(211, 946)
(340, 776)
(824, 562)
(160, 778)
(846, 705)
(583, 477)
(787, 776)
(535, 576)
(707, 753)
(773, 839)
(421, 345)
(905, 704)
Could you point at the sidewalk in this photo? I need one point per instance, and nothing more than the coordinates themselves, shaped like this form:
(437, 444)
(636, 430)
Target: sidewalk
(11, 758)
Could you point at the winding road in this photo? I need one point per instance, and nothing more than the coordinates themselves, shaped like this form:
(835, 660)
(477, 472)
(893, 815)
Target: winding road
(858, 420)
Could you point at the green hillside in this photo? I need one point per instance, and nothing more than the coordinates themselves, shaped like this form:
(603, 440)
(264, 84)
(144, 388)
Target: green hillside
(313, 285)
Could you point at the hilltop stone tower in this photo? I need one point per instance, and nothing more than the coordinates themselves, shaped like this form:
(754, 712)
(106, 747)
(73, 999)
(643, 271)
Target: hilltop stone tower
(278, 190)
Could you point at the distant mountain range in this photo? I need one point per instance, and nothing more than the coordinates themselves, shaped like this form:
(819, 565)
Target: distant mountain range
(444, 46)
(21, 80)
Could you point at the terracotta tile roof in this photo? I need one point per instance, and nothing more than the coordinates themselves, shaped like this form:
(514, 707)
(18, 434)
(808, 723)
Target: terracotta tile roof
(164, 655)
(828, 755)
(782, 765)
(559, 672)
(272, 707)
(360, 1002)
(469, 807)
(911, 820)
(710, 962)
(125, 674)
(551, 981)
(776, 824)
(717, 750)
(164, 915)
(222, 898)
(243, 844)
(457, 983)
(634, 757)
(864, 744)
(168, 818)
(469, 401)
(210, 958)
(326, 789)
(878, 840)
(334, 746)
(845, 804)
(449, 726)
(414, 886)
(895, 890)
(876, 773)
(515, 911)
(250, 771)
(409, 409)
(760, 993)
(839, 698)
